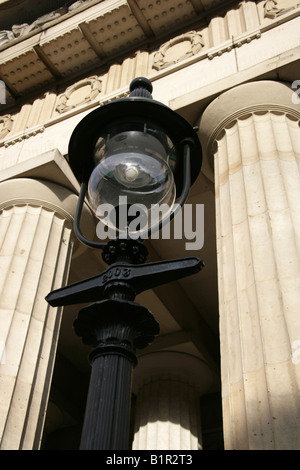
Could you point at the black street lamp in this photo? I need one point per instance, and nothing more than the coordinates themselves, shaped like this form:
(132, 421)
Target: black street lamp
(140, 152)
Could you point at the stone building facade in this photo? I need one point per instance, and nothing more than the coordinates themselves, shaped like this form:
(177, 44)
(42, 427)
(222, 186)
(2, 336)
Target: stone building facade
(225, 370)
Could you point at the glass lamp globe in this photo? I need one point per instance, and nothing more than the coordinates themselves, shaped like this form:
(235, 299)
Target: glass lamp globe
(132, 174)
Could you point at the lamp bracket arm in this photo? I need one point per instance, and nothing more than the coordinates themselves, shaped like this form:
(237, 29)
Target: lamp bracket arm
(134, 278)
(151, 275)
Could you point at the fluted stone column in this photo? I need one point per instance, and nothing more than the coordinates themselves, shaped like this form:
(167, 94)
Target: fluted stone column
(168, 386)
(251, 135)
(35, 251)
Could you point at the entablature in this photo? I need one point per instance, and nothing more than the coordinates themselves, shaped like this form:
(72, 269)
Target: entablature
(95, 36)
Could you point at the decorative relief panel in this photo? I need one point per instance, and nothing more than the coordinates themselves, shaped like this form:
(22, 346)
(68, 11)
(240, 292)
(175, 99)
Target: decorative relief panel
(81, 92)
(5, 125)
(178, 49)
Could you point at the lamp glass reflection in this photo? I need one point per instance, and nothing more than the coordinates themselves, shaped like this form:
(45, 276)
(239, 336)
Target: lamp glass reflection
(134, 164)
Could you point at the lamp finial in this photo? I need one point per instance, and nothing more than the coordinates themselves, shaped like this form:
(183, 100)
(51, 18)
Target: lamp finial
(141, 87)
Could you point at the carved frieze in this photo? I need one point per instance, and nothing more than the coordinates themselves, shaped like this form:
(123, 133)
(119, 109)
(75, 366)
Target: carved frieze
(6, 36)
(5, 125)
(25, 28)
(273, 8)
(80, 93)
(177, 49)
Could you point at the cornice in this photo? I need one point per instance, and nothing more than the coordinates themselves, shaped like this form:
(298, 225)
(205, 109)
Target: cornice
(83, 39)
(97, 33)
(58, 102)
(90, 38)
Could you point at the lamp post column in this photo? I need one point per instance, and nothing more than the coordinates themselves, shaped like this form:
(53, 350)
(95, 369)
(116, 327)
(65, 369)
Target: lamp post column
(36, 247)
(115, 328)
(129, 142)
(252, 132)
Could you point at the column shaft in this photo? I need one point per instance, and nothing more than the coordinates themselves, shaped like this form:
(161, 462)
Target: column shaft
(169, 386)
(167, 416)
(36, 244)
(35, 254)
(257, 184)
